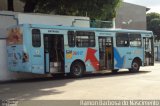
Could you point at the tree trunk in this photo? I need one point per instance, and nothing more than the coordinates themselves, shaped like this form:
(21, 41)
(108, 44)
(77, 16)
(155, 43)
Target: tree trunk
(10, 5)
(30, 6)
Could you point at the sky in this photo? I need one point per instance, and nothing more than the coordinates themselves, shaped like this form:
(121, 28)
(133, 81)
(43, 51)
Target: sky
(154, 5)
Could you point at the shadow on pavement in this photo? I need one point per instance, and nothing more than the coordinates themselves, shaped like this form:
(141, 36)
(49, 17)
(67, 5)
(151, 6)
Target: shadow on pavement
(88, 75)
(39, 87)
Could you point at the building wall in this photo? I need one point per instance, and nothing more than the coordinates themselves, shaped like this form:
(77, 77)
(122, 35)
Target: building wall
(130, 16)
(46, 19)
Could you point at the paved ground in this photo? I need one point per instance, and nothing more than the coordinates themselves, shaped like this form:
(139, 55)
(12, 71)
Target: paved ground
(142, 85)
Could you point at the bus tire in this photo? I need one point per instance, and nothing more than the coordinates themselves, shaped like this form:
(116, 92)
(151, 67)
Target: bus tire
(77, 69)
(114, 71)
(135, 66)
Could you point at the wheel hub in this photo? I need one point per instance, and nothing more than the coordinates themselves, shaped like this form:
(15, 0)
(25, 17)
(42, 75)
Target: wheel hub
(77, 70)
(135, 65)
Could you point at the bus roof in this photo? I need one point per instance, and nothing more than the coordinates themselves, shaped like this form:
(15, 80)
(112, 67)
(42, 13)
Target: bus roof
(83, 28)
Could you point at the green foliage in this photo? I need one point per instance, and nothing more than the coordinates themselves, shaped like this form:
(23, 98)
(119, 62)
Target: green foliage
(155, 27)
(95, 9)
(150, 17)
(153, 23)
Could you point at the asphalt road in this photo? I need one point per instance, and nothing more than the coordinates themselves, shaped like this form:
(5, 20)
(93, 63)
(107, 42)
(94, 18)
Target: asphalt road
(124, 85)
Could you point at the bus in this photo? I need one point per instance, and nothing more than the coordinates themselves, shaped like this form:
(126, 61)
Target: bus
(46, 49)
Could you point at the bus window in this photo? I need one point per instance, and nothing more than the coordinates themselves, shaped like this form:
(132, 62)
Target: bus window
(36, 38)
(135, 40)
(85, 39)
(122, 40)
(71, 39)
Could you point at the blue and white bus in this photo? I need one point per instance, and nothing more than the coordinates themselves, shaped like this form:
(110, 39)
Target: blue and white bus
(45, 49)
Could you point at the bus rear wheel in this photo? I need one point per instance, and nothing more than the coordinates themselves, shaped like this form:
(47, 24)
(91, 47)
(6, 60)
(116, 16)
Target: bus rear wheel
(77, 69)
(135, 66)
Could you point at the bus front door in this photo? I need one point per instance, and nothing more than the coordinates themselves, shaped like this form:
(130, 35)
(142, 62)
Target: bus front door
(105, 53)
(148, 51)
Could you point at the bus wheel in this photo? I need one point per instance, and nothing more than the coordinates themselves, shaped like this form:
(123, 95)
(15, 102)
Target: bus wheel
(77, 69)
(114, 71)
(135, 66)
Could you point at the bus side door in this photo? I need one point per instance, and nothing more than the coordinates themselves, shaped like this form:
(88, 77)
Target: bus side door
(105, 52)
(148, 51)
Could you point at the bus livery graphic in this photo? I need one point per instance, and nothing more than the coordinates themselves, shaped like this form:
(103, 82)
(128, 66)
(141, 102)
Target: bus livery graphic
(14, 36)
(91, 56)
(119, 59)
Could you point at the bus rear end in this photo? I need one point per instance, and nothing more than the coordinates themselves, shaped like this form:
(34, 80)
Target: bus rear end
(15, 52)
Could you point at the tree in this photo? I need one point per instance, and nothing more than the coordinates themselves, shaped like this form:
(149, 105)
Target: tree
(10, 5)
(153, 24)
(150, 17)
(155, 27)
(95, 9)
(30, 5)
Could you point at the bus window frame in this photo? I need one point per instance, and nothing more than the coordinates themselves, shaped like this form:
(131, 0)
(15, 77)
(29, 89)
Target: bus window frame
(84, 34)
(71, 34)
(37, 35)
(133, 34)
(117, 40)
